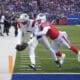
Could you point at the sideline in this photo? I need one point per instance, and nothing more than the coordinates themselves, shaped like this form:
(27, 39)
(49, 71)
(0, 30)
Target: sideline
(7, 55)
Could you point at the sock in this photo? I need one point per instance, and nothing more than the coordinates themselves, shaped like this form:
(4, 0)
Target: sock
(74, 49)
(59, 54)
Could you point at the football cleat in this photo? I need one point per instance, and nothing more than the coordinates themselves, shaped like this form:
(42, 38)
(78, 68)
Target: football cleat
(58, 63)
(79, 56)
(62, 59)
(33, 67)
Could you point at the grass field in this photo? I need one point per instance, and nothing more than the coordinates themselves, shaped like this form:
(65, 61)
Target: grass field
(44, 61)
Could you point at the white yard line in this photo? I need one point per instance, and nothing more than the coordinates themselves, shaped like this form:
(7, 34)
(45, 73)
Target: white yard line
(66, 58)
(47, 73)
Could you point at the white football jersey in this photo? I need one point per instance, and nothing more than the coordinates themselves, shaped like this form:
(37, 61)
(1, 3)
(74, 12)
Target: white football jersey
(23, 28)
(29, 28)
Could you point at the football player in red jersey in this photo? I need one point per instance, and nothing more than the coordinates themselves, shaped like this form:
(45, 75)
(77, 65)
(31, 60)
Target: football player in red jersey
(59, 37)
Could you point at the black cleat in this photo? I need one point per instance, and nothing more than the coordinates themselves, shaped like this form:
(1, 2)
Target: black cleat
(58, 63)
(32, 67)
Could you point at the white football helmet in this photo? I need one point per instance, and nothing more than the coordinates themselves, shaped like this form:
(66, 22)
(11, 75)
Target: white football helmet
(41, 16)
(23, 17)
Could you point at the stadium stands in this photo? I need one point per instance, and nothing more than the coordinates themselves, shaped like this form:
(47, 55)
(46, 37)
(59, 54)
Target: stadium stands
(52, 7)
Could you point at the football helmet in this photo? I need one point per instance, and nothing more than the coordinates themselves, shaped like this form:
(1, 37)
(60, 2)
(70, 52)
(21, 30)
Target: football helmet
(23, 17)
(41, 16)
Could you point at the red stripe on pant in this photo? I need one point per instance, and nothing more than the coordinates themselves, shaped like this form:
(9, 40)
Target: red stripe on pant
(74, 49)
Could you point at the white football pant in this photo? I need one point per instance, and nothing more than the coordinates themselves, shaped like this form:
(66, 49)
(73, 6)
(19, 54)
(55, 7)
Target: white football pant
(32, 43)
(43, 40)
(62, 39)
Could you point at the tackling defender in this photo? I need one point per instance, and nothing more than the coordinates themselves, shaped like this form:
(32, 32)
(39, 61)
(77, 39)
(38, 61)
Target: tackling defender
(46, 28)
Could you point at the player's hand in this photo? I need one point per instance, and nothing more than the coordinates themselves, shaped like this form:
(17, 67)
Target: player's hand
(21, 47)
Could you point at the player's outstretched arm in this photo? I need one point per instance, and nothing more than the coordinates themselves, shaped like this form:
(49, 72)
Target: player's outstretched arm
(43, 32)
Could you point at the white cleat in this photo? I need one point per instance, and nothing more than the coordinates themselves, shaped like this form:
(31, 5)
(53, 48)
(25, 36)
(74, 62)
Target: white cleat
(79, 56)
(62, 59)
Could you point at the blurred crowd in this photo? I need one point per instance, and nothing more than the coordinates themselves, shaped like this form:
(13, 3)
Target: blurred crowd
(33, 7)
(54, 9)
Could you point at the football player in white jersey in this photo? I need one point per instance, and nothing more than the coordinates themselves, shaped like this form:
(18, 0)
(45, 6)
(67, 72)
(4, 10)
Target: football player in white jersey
(27, 25)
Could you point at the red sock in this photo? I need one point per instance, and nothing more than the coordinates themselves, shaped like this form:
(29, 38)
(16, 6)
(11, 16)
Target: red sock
(74, 49)
(59, 54)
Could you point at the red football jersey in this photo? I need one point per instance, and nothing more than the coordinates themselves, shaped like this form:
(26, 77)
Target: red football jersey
(52, 33)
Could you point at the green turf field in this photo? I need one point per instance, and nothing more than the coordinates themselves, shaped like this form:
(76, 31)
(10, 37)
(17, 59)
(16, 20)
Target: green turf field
(44, 61)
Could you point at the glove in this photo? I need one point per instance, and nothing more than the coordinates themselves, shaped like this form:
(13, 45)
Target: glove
(21, 47)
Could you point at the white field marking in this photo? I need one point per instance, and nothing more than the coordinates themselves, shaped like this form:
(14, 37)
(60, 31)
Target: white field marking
(77, 25)
(48, 73)
(38, 65)
(37, 69)
(25, 57)
(7, 48)
(5, 76)
(22, 65)
(66, 58)
(28, 69)
(46, 58)
(29, 63)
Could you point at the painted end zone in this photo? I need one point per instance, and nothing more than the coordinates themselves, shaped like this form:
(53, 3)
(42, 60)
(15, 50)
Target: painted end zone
(46, 77)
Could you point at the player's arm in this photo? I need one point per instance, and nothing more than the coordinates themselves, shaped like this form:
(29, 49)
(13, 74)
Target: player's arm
(20, 45)
(43, 32)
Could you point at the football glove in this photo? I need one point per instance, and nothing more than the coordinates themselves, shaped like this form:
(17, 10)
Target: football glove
(21, 47)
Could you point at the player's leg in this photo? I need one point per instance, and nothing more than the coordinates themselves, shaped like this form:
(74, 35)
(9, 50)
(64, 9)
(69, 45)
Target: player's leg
(55, 45)
(67, 44)
(32, 57)
(32, 46)
(46, 44)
